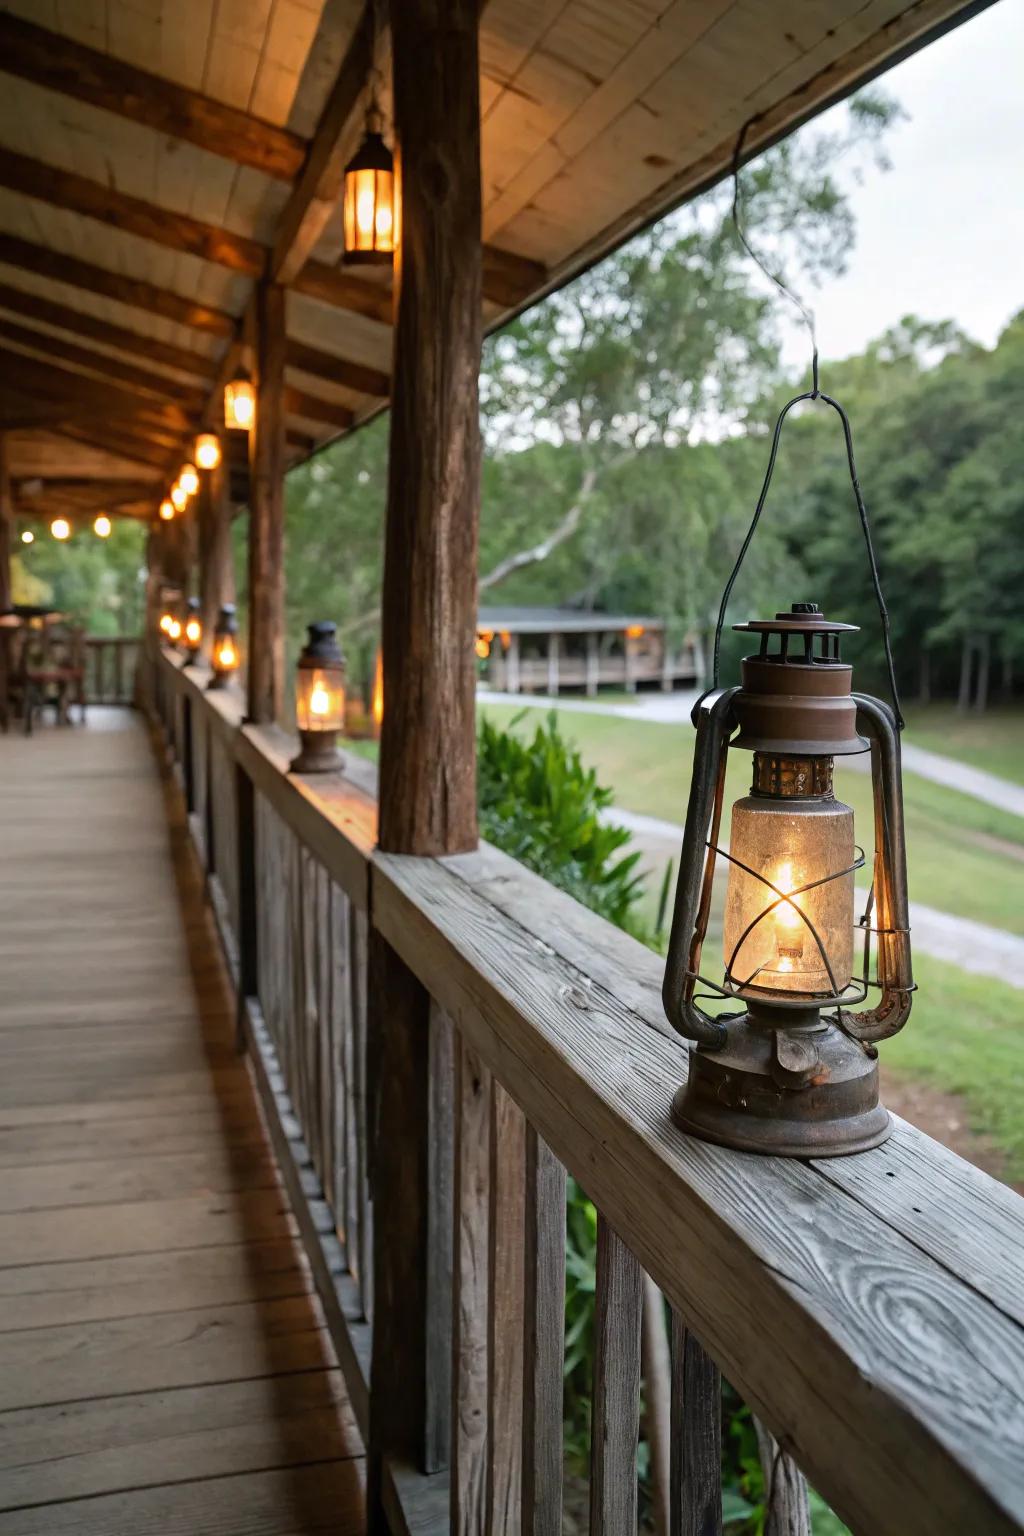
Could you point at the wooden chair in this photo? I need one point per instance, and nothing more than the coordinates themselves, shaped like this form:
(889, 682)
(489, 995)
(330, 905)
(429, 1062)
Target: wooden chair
(52, 671)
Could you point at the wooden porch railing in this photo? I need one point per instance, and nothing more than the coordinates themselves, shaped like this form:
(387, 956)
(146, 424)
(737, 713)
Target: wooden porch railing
(869, 1309)
(110, 662)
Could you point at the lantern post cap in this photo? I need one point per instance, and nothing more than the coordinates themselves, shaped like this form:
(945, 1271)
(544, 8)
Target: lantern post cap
(321, 647)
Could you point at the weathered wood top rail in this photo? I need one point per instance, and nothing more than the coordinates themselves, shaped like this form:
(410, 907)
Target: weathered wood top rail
(869, 1308)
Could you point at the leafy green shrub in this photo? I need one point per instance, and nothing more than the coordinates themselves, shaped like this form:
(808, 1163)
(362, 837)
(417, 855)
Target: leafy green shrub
(540, 804)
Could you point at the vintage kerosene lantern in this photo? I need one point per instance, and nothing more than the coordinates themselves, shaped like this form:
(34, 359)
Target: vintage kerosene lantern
(224, 652)
(192, 632)
(319, 701)
(795, 1071)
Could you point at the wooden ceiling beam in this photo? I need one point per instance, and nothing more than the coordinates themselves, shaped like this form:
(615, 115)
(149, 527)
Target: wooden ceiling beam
(336, 287)
(131, 215)
(56, 62)
(29, 376)
(30, 306)
(189, 397)
(314, 198)
(324, 365)
(133, 450)
(40, 259)
(297, 402)
(96, 494)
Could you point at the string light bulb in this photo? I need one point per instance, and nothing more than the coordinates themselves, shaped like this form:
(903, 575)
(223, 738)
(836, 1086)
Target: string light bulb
(179, 497)
(167, 509)
(28, 537)
(207, 450)
(102, 526)
(188, 479)
(60, 528)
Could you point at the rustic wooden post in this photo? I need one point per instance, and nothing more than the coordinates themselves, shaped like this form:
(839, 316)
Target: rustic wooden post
(428, 769)
(216, 557)
(265, 661)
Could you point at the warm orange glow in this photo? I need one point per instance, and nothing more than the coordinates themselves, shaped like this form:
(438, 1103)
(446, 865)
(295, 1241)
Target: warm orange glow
(506, 639)
(634, 631)
(239, 403)
(188, 479)
(60, 528)
(28, 537)
(483, 647)
(193, 633)
(227, 654)
(370, 213)
(377, 702)
(101, 527)
(319, 700)
(166, 620)
(207, 450)
(174, 630)
(166, 510)
(179, 498)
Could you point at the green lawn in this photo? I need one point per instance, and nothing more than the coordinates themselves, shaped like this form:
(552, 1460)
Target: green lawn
(965, 857)
(993, 740)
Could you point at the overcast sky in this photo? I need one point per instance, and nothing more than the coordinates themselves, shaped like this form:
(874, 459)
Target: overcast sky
(941, 235)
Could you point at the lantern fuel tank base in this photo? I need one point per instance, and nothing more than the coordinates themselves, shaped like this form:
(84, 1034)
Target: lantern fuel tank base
(748, 1095)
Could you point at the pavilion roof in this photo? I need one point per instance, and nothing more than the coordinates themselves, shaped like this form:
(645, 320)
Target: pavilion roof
(157, 160)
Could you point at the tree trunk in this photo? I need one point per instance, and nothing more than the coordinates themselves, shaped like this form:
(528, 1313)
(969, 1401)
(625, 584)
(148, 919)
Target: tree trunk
(963, 702)
(981, 687)
(924, 677)
(1006, 673)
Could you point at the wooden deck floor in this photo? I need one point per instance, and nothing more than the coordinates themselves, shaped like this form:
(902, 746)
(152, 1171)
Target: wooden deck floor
(163, 1365)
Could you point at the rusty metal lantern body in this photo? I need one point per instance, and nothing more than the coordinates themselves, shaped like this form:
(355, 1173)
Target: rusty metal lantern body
(794, 1073)
(224, 651)
(320, 701)
(370, 208)
(192, 631)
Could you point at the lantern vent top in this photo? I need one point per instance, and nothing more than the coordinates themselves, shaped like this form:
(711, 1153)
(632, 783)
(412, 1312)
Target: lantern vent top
(796, 695)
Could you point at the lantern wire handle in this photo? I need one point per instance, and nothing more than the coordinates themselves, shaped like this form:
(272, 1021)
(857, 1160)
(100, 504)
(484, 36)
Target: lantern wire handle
(814, 393)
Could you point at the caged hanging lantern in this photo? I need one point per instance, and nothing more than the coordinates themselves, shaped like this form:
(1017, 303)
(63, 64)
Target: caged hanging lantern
(794, 1070)
(319, 701)
(207, 450)
(239, 403)
(224, 657)
(369, 210)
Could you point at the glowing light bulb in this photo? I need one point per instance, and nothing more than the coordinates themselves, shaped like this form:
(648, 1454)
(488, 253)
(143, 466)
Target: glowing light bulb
(189, 479)
(174, 631)
(319, 700)
(207, 450)
(166, 510)
(179, 498)
(101, 527)
(28, 537)
(193, 632)
(60, 528)
(227, 656)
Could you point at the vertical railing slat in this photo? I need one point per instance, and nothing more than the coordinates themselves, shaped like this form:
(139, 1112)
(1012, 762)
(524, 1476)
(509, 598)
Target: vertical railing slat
(615, 1418)
(505, 1312)
(543, 1337)
(440, 1216)
(787, 1508)
(696, 1469)
(469, 1294)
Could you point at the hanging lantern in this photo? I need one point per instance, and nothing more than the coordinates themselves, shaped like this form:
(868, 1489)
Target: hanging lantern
(239, 403)
(193, 631)
(224, 654)
(319, 701)
(173, 630)
(102, 526)
(60, 528)
(179, 497)
(207, 450)
(188, 479)
(167, 509)
(166, 620)
(370, 212)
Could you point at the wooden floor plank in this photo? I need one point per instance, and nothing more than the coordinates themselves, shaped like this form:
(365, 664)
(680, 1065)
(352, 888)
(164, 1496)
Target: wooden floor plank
(296, 1501)
(90, 1448)
(163, 1362)
(91, 1290)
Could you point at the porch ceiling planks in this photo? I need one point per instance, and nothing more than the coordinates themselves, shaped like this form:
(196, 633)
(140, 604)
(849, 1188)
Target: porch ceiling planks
(163, 1361)
(155, 160)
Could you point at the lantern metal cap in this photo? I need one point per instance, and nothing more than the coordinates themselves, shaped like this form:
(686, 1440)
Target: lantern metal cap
(372, 155)
(321, 648)
(796, 700)
(227, 624)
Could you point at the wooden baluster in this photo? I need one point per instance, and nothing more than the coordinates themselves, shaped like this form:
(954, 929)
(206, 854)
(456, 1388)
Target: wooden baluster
(696, 1470)
(362, 1205)
(247, 935)
(543, 1337)
(615, 1420)
(788, 1511)
(118, 650)
(657, 1368)
(440, 1239)
(470, 1294)
(505, 1313)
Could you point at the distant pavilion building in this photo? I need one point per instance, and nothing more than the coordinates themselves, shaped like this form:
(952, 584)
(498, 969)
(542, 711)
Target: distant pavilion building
(546, 650)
